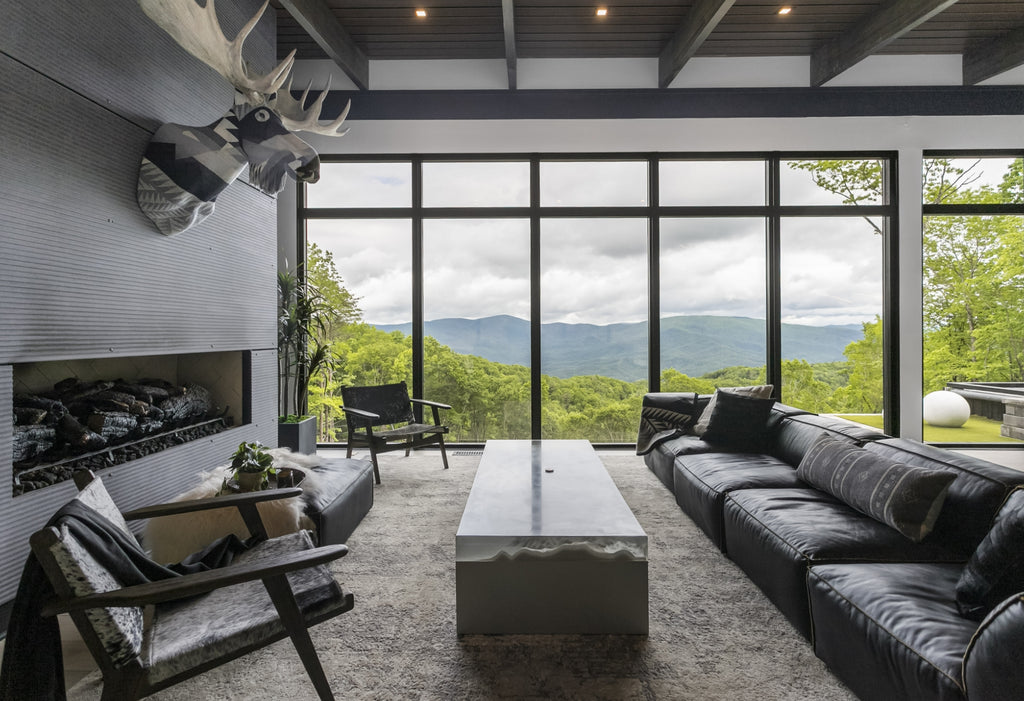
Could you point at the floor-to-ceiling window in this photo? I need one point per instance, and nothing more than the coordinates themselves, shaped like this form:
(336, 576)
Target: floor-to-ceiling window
(832, 246)
(973, 276)
(543, 295)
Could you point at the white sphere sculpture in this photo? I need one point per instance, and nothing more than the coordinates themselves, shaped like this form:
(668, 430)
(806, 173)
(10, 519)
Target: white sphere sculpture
(945, 408)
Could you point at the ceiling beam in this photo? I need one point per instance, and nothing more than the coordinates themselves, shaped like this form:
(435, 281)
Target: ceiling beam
(316, 18)
(869, 35)
(508, 23)
(699, 22)
(994, 57)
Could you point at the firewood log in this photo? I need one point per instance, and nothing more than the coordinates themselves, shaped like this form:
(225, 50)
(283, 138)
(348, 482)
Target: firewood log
(111, 424)
(78, 435)
(30, 441)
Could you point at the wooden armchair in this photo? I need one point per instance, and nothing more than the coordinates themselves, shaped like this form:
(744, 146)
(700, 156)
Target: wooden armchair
(276, 589)
(367, 408)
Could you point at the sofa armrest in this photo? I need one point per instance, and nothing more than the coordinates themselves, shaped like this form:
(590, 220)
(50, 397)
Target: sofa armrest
(992, 669)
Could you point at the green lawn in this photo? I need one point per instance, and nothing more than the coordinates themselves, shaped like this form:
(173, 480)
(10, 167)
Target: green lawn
(976, 430)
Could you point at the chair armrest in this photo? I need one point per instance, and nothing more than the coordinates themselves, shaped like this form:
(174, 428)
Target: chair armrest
(427, 402)
(361, 413)
(217, 502)
(199, 583)
(245, 502)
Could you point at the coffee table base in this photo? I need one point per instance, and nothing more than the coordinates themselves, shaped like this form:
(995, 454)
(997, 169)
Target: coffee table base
(549, 597)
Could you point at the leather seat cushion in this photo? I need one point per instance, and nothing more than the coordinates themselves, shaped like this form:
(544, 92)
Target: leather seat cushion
(661, 459)
(701, 482)
(775, 534)
(890, 630)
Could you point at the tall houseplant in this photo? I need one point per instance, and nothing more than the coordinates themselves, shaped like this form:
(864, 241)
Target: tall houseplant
(303, 322)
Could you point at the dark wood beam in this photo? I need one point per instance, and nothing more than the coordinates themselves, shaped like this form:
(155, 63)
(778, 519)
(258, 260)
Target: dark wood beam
(869, 35)
(699, 22)
(508, 22)
(994, 57)
(316, 18)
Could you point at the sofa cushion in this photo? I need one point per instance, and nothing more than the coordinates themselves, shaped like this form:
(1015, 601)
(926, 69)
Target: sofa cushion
(759, 391)
(890, 630)
(739, 422)
(661, 459)
(974, 497)
(773, 535)
(906, 498)
(996, 569)
(702, 481)
(795, 434)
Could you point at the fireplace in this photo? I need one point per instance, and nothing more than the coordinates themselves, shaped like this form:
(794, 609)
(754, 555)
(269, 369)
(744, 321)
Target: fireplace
(97, 413)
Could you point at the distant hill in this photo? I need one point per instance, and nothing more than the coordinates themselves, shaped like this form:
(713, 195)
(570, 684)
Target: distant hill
(694, 345)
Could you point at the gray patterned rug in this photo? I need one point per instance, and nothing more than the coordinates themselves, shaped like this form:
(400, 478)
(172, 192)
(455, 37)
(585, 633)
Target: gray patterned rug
(713, 635)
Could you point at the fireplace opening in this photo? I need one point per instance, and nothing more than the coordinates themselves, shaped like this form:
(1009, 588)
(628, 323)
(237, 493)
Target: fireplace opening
(96, 413)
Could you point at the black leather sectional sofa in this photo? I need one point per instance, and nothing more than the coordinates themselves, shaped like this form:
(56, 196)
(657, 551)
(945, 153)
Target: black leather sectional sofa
(880, 609)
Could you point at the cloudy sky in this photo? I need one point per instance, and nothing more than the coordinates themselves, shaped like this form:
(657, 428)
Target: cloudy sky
(594, 270)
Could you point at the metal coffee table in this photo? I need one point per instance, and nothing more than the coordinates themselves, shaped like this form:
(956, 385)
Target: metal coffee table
(548, 545)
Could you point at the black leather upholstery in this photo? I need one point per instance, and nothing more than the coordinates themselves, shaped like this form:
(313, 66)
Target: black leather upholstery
(795, 434)
(701, 482)
(992, 666)
(973, 498)
(343, 496)
(661, 459)
(775, 534)
(891, 631)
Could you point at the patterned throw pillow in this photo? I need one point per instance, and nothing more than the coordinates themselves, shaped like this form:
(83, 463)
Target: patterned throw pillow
(758, 391)
(996, 569)
(739, 422)
(907, 498)
(664, 415)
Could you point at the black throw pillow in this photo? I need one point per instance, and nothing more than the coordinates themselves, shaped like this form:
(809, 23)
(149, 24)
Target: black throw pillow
(996, 569)
(901, 496)
(739, 422)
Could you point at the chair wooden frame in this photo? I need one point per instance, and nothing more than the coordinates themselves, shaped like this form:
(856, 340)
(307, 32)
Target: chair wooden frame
(363, 431)
(132, 681)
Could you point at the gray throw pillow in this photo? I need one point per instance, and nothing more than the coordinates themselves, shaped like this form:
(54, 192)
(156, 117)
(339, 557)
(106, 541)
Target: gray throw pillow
(759, 391)
(907, 498)
(996, 569)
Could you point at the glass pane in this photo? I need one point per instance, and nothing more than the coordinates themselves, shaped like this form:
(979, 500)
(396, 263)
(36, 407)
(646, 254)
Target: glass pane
(362, 185)
(594, 328)
(373, 263)
(973, 293)
(831, 182)
(710, 183)
(712, 304)
(974, 180)
(476, 184)
(831, 317)
(476, 300)
(593, 183)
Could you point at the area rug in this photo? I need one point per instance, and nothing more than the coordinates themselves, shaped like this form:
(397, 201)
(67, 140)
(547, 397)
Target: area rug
(713, 635)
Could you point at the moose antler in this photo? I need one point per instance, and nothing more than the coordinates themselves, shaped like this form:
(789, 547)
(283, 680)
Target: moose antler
(297, 118)
(198, 31)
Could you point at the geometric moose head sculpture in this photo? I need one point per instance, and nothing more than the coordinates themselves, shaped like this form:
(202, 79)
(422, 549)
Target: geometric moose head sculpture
(185, 168)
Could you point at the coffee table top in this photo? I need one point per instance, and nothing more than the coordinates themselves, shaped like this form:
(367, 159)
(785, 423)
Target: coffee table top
(544, 499)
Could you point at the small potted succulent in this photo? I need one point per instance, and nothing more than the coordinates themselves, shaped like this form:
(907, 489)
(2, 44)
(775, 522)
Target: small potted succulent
(253, 466)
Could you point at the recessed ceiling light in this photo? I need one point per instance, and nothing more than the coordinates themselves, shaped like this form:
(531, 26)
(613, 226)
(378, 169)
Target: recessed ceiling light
(421, 13)
(602, 11)
(785, 10)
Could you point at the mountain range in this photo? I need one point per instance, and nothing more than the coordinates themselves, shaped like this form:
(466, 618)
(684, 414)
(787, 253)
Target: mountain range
(694, 345)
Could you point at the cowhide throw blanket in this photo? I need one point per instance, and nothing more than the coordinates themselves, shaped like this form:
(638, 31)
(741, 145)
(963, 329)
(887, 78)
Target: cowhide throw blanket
(173, 538)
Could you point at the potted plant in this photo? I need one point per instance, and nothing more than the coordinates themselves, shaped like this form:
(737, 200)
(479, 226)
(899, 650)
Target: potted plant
(253, 467)
(304, 317)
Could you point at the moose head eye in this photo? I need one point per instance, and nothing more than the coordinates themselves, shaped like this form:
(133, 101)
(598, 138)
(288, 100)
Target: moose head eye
(261, 115)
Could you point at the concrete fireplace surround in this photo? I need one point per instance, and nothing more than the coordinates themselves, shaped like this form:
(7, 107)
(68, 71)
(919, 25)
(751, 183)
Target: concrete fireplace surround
(87, 278)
